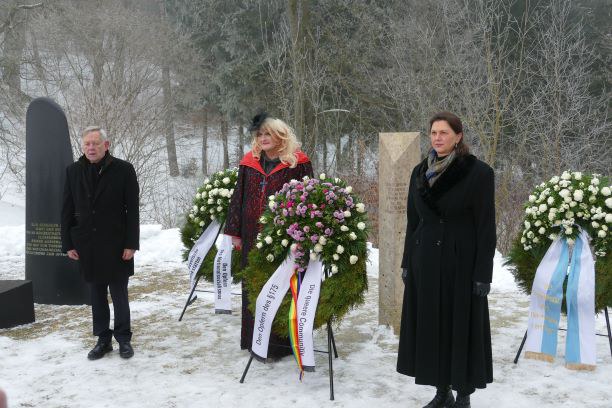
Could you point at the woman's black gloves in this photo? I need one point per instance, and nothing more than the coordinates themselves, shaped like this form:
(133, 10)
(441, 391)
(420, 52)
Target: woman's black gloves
(481, 289)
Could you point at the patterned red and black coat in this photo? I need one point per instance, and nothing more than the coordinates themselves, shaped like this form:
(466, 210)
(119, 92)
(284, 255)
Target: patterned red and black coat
(251, 194)
(248, 202)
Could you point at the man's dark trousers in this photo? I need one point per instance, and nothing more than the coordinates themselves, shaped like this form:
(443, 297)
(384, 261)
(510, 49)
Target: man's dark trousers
(101, 312)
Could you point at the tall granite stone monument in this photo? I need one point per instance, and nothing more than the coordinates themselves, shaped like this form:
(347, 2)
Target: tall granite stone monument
(56, 279)
(398, 154)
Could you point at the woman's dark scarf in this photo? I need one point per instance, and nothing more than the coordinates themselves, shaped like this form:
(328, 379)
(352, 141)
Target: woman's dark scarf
(436, 166)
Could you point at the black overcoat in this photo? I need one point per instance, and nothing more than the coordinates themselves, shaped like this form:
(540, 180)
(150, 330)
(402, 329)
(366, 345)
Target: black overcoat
(450, 242)
(100, 224)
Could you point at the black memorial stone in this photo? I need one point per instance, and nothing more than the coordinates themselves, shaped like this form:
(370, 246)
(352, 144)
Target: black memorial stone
(16, 303)
(56, 279)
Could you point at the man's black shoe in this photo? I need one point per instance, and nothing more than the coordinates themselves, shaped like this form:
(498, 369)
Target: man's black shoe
(463, 401)
(100, 350)
(126, 350)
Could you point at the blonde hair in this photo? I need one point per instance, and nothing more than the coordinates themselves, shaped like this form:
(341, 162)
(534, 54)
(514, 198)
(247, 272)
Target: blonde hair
(284, 136)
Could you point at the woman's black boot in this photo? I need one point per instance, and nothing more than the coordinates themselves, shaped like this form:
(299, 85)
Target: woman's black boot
(443, 399)
(463, 401)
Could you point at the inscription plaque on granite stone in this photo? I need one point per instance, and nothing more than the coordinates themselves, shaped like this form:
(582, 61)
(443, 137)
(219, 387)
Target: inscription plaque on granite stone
(398, 154)
(55, 278)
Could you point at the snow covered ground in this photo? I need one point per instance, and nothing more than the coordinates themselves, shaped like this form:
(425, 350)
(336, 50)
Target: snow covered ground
(198, 362)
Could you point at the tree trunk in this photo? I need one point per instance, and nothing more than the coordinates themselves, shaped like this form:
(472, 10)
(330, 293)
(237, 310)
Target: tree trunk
(298, 19)
(241, 138)
(205, 141)
(169, 122)
(224, 139)
(14, 44)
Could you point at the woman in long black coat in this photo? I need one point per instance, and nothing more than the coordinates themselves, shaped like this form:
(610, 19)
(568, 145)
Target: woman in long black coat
(445, 337)
(274, 160)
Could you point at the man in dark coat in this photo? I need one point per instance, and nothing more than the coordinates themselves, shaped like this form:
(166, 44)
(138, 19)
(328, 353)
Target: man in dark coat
(445, 338)
(100, 230)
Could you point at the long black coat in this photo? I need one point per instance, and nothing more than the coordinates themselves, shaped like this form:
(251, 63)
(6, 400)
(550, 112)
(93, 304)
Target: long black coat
(100, 224)
(445, 335)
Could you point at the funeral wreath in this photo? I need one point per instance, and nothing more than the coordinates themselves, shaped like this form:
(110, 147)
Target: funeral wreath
(211, 203)
(319, 219)
(561, 207)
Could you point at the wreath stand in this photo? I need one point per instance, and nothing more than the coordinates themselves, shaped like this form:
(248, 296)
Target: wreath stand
(190, 300)
(331, 344)
(518, 354)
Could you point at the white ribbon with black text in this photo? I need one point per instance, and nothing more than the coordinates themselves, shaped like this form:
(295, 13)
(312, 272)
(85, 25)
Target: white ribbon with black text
(200, 250)
(222, 277)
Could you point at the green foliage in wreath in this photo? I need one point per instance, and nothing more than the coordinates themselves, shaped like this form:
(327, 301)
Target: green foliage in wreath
(211, 202)
(557, 208)
(340, 292)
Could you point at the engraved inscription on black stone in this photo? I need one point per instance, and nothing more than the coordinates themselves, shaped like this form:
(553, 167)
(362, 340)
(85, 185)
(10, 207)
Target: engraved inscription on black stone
(55, 278)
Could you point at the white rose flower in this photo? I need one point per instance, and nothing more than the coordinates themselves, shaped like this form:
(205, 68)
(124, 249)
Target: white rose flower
(195, 209)
(595, 181)
(528, 210)
(340, 249)
(207, 180)
(523, 240)
(271, 205)
(353, 259)
(601, 234)
(314, 257)
(322, 240)
(564, 193)
(537, 223)
(198, 196)
(226, 180)
(604, 227)
(551, 216)
(360, 207)
(606, 191)
(566, 175)
(219, 209)
(609, 218)
(556, 187)
(530, 234)
(191, 216)
(609, 202)
(212, 217)
(347, 214)
(268, 239)
(204, 194)
(527, 224)
(259, 245)
(567, 199)
(569, 230)
(262, 220)
(279, 233)
(201, 223)
(318, 248)
(553, 237)
(270, 257)
(216, 183)
(322, 176)
(208, 186)
(336, 257)
(334, 268)
(210, 201)
(532, 198)
(592, 199)
(352, 236)
(577, 175)
(578, 195)
(212, 211)
(361, 225)
(349, 189)
(554, 180)
(344, 228)
(550, 201)
(572, 204)
(543, 207)
(536, 240)
(284, 242)
(542, 230)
